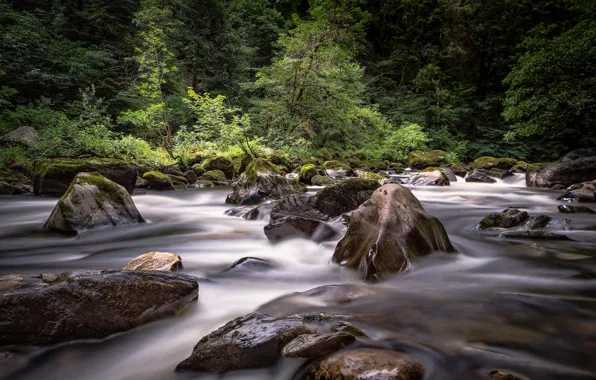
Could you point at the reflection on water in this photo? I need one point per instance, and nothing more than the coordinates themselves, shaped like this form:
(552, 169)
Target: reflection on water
(525, 306)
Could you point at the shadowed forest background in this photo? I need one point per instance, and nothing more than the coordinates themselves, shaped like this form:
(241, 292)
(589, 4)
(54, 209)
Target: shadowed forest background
(173, 81)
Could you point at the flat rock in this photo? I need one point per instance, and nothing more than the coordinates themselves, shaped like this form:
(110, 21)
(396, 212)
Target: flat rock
(162, 261)
(54, 308)
(316, 345)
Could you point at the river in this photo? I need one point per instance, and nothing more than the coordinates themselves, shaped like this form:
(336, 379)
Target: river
(525, 305)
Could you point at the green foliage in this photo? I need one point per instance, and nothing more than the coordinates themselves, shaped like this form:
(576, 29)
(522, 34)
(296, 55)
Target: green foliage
(400, 141)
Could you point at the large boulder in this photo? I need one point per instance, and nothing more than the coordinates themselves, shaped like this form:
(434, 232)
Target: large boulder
(508, 218)
(53, 176)
(581, 192)
(54, 308)
(389, 231)
(162, 261)
(422, 160)
(219, 163)
(575, 167)
(487, 163)
(430, 178)
(366, 364)
(90, 202)
(158, 181)
(261, 181)
(25, 136)
(258, 340)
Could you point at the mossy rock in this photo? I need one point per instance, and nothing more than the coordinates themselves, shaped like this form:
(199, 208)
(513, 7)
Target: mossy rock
(307, 172)
(158, 180)
(372, 176)
(335, 165)
(91, 194)
(198, 169)
(52, 176)
(205, 183)
(219, 163)
(534, 167)
(520, 167)
(214, 175)
(419, 159)
(487, 162)
(431, 169)
(320, 180)
(179, 181)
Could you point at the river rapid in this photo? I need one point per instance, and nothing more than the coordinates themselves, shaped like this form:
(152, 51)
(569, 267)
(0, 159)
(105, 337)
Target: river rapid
(524, 305)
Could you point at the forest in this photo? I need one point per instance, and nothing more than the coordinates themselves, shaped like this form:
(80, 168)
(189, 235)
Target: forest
(163, 82)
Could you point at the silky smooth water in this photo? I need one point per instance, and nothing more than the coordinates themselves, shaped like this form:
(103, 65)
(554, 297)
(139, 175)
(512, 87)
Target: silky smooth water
(528, 306)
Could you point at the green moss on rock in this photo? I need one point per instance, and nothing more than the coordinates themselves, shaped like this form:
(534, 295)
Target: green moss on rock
(214, 175)
(219, 163)
(335, 165)
(487, 162)
(372, 176)
(158, 180)
(420, 160)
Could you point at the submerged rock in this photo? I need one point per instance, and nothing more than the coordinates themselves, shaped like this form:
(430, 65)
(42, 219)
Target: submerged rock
(162, 261)
(26, 136)
(158, 181)
(260, 181)
(568, 209)
(366, 364)
(508, 218)
(54, 308)
(430, 178)
(575, 167)
(52, 176)
(478, 176)
(92, 201)
(389, 231)
(580, 192)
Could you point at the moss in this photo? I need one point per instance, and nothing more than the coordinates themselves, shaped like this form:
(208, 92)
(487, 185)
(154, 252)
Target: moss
(420, 160)
(107, 189)
(204, 183)
(335, 165)
(156, 176)
(214, 175)
(371, 176)
(305, 169)
(258, 167)
(65, 210)
(431, 169)
(219, 163)
(61, 166)
(534, 167)
(320, 180)
(487, 162)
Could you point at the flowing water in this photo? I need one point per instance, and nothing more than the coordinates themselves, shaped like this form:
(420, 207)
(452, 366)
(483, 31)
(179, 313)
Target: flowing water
(526, 306)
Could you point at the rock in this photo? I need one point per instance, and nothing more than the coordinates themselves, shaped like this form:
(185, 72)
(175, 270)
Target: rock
(158, 181)
(366, 364)
(53, 176)
(568, 209)
(205, 183)
(162, 261)
(191, 176)
(312, 346)
(581, 192)
(500, 374)
(346, 195)
(141, 183)
(249, 264)
(320, 180)
(432, 178)
(307, 172)
(575, 167)
(371, 176)
(25, 136)
(558, 187)
(213, 175)
(262, 180)
(450, 174)
(508, 218)
(478, 176)
(219, 163)
(520, 167)
(56, 308)
(248, 213)
(90, 202)
(337, 169)
(198, 169)
(298, 227)
(532, 234)
(459, 170)
(14, 188)
(389, 231)
(253, 341)
(178, 181)
(487, 163)
(420, 160)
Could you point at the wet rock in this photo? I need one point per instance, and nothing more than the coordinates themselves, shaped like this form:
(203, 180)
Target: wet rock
(478, 176)
(558, 187)
(46, 310)
(248, 213)
(337, 169)
(14, 188)
(345, 196)
(366, 364)
(298, 227)
(179, 181)
(580, 192)
(191, 176)
(53, 176)
(205, 183)
(508, 218)
(420, 160)
(260, 181)
(450, 174)
(500, 374)
(532, 234)
(162, 261)
(219, 163)
(90, 202)
(249, 264)
(312, 346)
(387, 232)
(158, 181)
(307, 172)
(459, 170)
(320, 180)
(25, 136)
(430, 178)
(371, 176)
(141, 183)
(213, 175)
(568, 209)
(575, 167)
(487, 163)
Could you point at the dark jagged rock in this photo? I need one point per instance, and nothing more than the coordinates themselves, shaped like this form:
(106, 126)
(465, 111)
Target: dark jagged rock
(580, 192)
(575, 167)
(92, 201)
(312, 346)
(26, 136)
(248, 212)
(430, 178)
(162, 261)
(568, 209)
(158, 181)
(389, 231)
(191, 176)
(420, 160)
(298, 227)
(219, 163)
(508, 218)
(345, 196)
(450, 174)
(53, 176)
(254, 341)
(532, 234)
(54, 308)
(478, 176)
(366, 364)
(260, 181)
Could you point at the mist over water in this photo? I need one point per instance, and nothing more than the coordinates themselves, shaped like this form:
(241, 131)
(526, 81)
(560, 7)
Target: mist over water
(526, 306)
